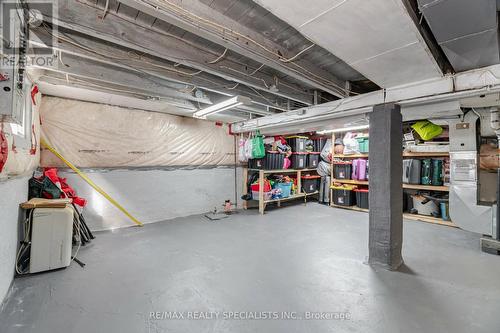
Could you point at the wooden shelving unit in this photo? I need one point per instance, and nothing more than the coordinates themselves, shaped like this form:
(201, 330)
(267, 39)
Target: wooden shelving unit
(356, 208)
(429, 219)
(412, 154)
(416, 217)
(442, 188)
(262, 173)
(350, 156)
(350, 181)
(413, 217)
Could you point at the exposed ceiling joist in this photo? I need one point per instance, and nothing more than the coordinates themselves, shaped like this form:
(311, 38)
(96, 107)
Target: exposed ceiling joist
(204, 21)
(104, 97)
(82, 18)
(106, 75)
(156, 74)
(54, 78)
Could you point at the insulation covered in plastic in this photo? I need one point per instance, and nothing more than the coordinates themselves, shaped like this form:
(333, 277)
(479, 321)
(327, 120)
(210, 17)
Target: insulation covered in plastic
(98, 135)
(23, 154)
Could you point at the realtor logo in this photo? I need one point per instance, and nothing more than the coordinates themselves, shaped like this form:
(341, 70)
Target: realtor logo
(22, 21)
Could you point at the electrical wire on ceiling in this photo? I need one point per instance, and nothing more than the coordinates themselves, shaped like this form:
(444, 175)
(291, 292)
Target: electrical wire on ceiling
(180, 11)
(218, 58)
(184, 40)
(108, 88)
(106, 7)
(298, 54)
(132, 55)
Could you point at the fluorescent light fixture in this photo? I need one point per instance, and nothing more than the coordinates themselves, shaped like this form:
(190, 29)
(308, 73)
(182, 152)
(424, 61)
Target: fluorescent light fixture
(222, 106)
(344, 129)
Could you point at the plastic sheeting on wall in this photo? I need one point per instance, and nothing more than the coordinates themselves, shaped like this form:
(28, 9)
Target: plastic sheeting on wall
(98, 135)
(23, 158)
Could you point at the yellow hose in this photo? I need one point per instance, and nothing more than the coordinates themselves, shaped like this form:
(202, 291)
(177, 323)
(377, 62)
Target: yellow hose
(90, 182)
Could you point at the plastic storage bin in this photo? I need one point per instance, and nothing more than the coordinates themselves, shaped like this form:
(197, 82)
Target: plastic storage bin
(364, 144)
(313, 160)
(257, 163)
(310, 184)
(274, 160)
(411, 171)
(319, 143)
(426, 173)
(298, 143)
(267, 195)
(343, 196)
(286, 189)
(298, 160)
(255, 187)
(342, 170)
(437, 172)
(362, 198)
(359, 169)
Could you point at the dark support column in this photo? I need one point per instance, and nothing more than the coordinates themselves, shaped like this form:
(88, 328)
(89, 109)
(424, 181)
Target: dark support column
(386, 191)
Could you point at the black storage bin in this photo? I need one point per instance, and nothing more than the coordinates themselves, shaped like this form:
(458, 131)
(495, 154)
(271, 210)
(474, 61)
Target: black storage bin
(298, 160)
(312, 160)
(257, 163)
(274, 160)
(310, 184)
(344, 197)
(297, 143)
(362, 198)
(342, 170)
(319, 143)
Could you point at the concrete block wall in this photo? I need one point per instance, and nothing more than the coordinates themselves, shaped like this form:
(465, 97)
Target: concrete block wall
(155, 194)
(12, 193)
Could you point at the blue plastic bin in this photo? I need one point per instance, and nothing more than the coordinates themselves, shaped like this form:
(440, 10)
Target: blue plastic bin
(286, 189)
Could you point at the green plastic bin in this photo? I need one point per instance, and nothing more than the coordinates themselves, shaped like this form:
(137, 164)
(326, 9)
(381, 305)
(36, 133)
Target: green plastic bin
(364, 144)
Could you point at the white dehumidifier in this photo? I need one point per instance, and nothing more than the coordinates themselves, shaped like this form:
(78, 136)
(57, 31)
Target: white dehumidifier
(51, 238)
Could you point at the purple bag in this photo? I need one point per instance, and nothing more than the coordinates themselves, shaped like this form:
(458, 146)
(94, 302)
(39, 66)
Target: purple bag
(359, 169)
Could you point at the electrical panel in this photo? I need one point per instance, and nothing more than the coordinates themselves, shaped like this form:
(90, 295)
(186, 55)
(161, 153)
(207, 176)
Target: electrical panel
(12, 64)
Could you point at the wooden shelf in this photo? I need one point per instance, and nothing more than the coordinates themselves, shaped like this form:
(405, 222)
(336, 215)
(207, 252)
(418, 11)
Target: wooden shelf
(433, 154)
(427, 187)
(407, 186)
(350, 181)
(356, 208)
(429, 219)
(405, 154)
(295, 196)
(414, 217)
(350, 156)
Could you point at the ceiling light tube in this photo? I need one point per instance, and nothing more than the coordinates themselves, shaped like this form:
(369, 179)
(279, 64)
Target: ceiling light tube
(222, 106)
(344, 129)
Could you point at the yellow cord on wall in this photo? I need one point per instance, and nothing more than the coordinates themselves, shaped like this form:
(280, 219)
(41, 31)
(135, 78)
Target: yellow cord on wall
(90, 182)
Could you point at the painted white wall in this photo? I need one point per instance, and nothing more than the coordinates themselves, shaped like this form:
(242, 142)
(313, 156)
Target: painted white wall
(12, 192)
(154, 195)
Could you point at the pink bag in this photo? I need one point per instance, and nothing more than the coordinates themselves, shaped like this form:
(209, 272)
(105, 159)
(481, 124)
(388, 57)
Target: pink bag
(286, 163)
(359, 169)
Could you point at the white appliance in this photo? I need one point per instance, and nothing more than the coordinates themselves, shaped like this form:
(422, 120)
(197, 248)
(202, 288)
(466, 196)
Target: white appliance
(51, 238)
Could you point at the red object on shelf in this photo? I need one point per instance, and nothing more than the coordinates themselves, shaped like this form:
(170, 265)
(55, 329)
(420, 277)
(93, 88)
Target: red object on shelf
(255, 187)
(311, 177)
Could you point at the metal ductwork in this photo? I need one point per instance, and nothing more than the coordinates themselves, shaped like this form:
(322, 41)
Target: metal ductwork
(466, 30)
(464, 208)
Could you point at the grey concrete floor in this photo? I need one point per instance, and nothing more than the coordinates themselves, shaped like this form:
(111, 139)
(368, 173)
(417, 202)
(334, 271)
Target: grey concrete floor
(295, 259)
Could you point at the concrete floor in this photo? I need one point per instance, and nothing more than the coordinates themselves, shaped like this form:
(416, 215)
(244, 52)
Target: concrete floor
(298, 259)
